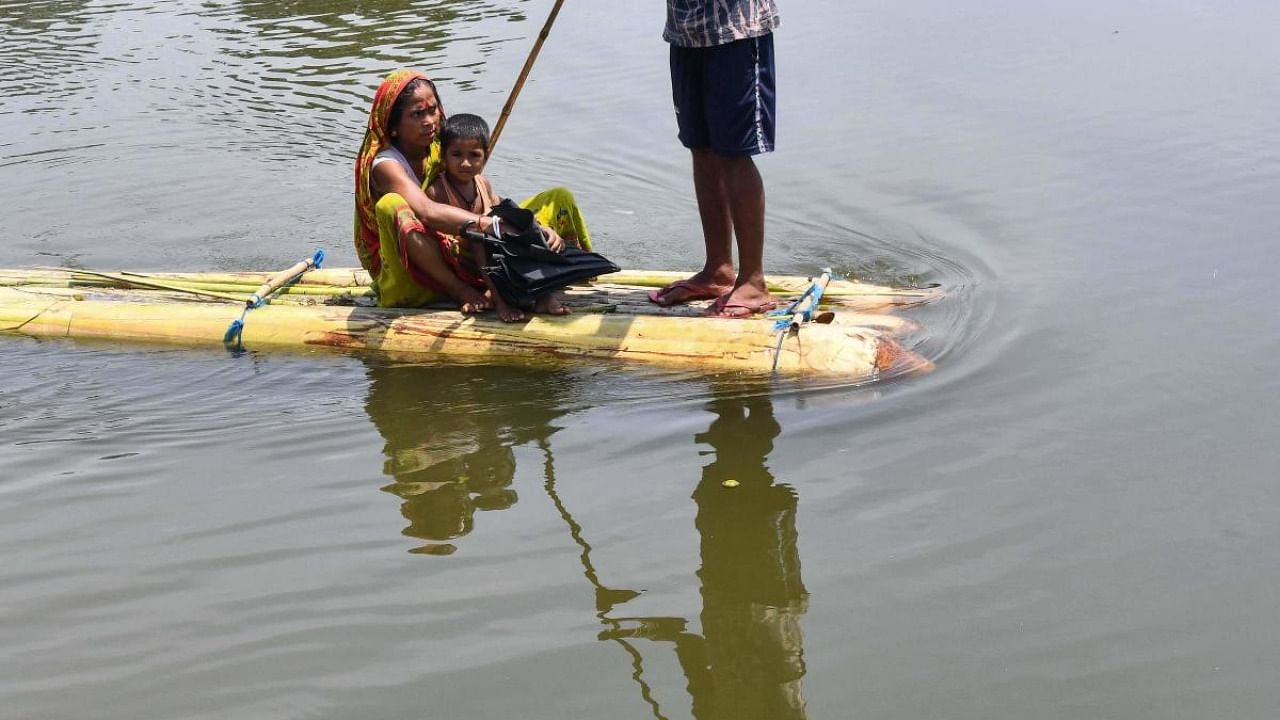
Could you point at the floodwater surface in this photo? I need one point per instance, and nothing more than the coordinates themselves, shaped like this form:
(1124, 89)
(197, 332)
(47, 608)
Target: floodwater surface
(1075, 515)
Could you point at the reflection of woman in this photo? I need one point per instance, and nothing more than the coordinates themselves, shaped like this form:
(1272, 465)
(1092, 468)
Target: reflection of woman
(449, 434)
(405, 240)
(446, 464)
(442, 491)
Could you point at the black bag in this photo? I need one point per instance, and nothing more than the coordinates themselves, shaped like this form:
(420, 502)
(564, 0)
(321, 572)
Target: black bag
(523, 267)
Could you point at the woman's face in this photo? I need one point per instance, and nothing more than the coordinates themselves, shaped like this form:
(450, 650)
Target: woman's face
(420, 121)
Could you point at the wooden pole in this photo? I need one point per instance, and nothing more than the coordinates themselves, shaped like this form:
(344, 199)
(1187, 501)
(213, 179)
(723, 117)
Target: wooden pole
(280, 279)
(524, 74)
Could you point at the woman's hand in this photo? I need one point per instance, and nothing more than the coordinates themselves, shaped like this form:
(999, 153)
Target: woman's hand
(554, 241)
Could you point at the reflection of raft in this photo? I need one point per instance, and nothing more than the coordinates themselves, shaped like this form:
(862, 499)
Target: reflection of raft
(332, 308)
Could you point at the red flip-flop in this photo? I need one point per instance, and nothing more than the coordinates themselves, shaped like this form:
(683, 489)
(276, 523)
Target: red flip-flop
(695, 291)
(734, 310)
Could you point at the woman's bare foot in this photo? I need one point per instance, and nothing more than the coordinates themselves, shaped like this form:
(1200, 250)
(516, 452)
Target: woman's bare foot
(472, 301)
(549, 304)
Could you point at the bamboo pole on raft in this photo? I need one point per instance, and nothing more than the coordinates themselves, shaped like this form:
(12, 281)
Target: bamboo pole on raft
(709, 344)
(353, 282)
(524, 75)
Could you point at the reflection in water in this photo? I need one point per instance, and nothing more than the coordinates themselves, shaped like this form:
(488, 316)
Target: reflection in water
(252, 67)
(449, 433)
(400, 30)
(317, 62)
(39, 41)
(749, 660)
(325, 55)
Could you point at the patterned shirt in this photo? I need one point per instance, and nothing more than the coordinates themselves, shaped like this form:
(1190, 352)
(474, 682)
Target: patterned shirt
(706, 23)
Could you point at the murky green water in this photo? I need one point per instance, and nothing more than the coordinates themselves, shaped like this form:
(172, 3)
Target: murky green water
(1074, 516)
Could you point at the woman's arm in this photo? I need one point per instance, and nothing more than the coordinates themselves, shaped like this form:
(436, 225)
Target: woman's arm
(433, 194)
(389, 177)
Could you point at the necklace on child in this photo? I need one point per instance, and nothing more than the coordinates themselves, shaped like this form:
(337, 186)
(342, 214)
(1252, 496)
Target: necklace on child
(474, 203)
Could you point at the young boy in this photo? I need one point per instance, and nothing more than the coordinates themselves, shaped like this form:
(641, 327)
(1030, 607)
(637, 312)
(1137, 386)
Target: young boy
(464, 147)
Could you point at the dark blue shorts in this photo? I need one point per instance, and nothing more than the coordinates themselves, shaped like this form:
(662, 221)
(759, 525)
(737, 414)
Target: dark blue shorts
(725, 96)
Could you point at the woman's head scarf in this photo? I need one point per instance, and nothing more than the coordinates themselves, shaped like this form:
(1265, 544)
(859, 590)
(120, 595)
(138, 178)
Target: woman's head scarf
(377, 137)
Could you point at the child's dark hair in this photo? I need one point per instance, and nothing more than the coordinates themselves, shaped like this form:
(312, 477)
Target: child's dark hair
(465, 126)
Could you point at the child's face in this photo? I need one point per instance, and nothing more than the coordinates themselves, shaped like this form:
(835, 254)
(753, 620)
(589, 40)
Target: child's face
(464, 159)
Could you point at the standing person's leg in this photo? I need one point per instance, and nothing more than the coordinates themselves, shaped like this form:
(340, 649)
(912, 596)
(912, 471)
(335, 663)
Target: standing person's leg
(711, 188)
(741, 118)
(688, 91)
(745, 199)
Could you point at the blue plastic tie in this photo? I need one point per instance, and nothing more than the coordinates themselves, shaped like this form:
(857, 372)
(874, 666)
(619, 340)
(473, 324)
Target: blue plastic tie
(792, 317)
(235, 332)
(787, 316)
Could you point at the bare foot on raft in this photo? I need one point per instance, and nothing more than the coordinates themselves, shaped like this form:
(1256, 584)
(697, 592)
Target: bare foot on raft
(549, 304)
(506, 313)
(471, 302)
(742, 302)
(697, 287)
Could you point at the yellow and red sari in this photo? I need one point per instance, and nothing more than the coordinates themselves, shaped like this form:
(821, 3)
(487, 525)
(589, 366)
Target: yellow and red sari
(383, 223)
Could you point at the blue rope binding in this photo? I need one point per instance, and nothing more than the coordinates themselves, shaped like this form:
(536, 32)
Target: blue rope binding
(793, 316)
(235, 332)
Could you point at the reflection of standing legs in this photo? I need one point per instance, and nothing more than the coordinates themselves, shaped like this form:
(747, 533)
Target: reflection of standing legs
(748, 662)
(752, 594)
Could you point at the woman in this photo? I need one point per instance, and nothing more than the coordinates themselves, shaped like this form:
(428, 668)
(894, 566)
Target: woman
(405, 240)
